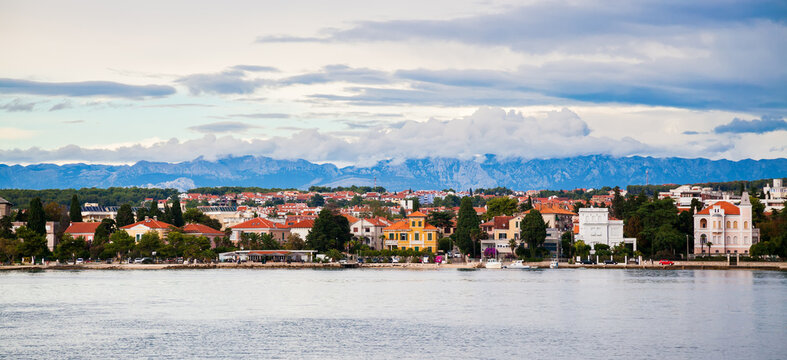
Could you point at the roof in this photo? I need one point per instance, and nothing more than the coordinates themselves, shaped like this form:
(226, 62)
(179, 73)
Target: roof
(4, 201)
(405, 225)
(351, 219)
(416, 214)
(553, 210)
(151, 223)
(82, 228)
(729, 208)
(201, 229)
(259, 223)
(303, 224)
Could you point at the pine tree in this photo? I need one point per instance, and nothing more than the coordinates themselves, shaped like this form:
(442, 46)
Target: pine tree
(177, 212)
(75, 212)
(533, 231)
(36, 219)
(125, 215)
(467, 222)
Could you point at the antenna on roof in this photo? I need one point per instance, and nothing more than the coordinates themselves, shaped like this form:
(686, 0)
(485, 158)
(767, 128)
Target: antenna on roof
(646, 177)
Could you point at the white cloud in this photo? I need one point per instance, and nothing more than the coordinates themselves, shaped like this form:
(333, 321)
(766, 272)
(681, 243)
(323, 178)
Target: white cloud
(9, 133)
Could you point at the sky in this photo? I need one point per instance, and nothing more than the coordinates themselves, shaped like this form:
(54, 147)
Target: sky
(355, 82)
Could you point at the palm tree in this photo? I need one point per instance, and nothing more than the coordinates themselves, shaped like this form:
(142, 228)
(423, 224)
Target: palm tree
(709, 245)
(512, 244)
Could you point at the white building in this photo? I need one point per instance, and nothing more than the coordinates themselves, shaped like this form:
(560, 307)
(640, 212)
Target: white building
(596, 226)
(774, 196)
(371, 230)
(727, 227)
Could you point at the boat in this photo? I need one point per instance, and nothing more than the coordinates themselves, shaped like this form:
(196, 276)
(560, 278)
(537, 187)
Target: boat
(553, 264)
(493, 264)
(519, 264)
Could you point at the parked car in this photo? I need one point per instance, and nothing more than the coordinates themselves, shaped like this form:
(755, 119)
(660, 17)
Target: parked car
(147, 260)
(610, 262)
(138, 261)
(394, 259)
(666, 262)
(634, 261)
(587, 262)
(80, 260)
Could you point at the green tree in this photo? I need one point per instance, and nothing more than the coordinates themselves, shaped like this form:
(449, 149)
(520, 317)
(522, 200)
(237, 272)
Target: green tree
(104, 230)
(445, 244)
(33, 243)
(125, 215)
(198, 217)
(757, 211)
(440, 219)
(565, 243)
(533, 231)
(177, 213)
(500, 206)
(467, 222)
(120, 244)
(294, 242)
(512, 244)
(316, 201)
(9, 249)
(7, 227)
(36, 219)
(330, 231)
(581, 249)
(75, 211)
(526, 205)
(71, 248)
(618, 204)
(148, 243)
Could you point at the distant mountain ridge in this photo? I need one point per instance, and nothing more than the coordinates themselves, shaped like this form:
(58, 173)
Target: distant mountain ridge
(426, 173)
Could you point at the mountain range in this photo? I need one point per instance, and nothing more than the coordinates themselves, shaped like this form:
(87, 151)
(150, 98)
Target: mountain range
(591, 171)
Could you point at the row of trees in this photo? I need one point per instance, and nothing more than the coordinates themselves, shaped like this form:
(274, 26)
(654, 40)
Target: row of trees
(112, 195)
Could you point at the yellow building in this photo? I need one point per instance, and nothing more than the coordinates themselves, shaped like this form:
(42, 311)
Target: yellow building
(139, 228)
(412, 233)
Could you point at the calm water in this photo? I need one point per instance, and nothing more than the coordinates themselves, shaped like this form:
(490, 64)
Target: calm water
(504, 314)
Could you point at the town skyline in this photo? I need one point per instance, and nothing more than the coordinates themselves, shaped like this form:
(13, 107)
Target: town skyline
(360, 83)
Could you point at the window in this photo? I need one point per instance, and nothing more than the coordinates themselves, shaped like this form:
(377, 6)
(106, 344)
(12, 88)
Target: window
(139, 236)
(745, 224)
(703, 239)
(367, 229)
(416, 248)
(704, 224)
(734, 224)
(403, 237)
(728, 224)
(355, 229)
(502, 236)
(416, 236)
(429, 236)
(420, 223)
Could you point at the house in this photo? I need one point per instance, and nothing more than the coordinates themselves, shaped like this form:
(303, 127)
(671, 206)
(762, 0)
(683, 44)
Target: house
(84, 229)
(259, 225)
(411, 233)
(52, 228)
(203, 230)
(139, 228)
(5, 207)
(370, 231)
(729, 228)
(302, 228)
(596, 226)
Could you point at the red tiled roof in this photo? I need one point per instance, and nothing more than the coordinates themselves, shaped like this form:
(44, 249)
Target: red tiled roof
(416, 214)
(729, 209)
(303, 224)
(201, 229)
(259, 223)
(150, 223)
(82, 228)
(399, 225)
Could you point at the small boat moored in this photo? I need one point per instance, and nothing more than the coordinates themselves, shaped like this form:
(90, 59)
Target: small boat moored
(519, 264)
(493, 264)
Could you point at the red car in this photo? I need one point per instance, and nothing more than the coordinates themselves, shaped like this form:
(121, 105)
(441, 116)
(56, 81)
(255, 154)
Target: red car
(666, 262)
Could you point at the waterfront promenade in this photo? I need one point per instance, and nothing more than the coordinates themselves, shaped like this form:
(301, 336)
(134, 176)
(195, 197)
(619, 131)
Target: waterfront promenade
(679, 265)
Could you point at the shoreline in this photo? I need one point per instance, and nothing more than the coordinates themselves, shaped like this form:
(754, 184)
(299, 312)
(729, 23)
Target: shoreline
(688, 265)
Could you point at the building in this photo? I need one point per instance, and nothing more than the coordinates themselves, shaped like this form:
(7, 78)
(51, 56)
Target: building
(774, 196)
(84, 229)
(139, 228)
(370, 231)
(260, 226)
(727, 227)
(302, 228)
(203, 230)
(411, 233)
(5, 207)
(597, 226)
(53, 231)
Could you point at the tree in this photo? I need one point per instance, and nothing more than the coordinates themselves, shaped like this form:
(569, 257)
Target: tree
(177, 213)
(9, 249)
(330, 231)
(467, 222)
(757, 210)
(75, 211)
(104, 230)
(120, 244)
(512, 244)
(294, 242)
(36, 220)
(125, 215)
(533, 231)
(565, 243)
(500, 206)
(618, 204)
(316, 201)
(416, 204)
(71, 248)
(526, 205)
(33, 243)
(709, 244)
(148, 243)
(581, 249)
(440, 219)
(445, 244)
(6, 227)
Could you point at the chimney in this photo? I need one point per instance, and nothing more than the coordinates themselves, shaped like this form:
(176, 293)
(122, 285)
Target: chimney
(147, 218)
(155, 218)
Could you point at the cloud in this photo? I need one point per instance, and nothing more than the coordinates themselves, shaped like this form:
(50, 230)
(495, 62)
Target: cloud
(261, 116)
(226, 82)
(557, 133)
(73, 121)
(18, 105)
(255, 68)
(9, 133)
(62, 105)
(339, 73)
(222, 127)
(84, 88)
(177, 106)
(757, 126)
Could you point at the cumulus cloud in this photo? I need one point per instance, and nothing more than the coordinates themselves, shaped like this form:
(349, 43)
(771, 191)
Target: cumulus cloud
(487, 131)
(18, 105)
(84, 88)
(757, 126)
(222, 127)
